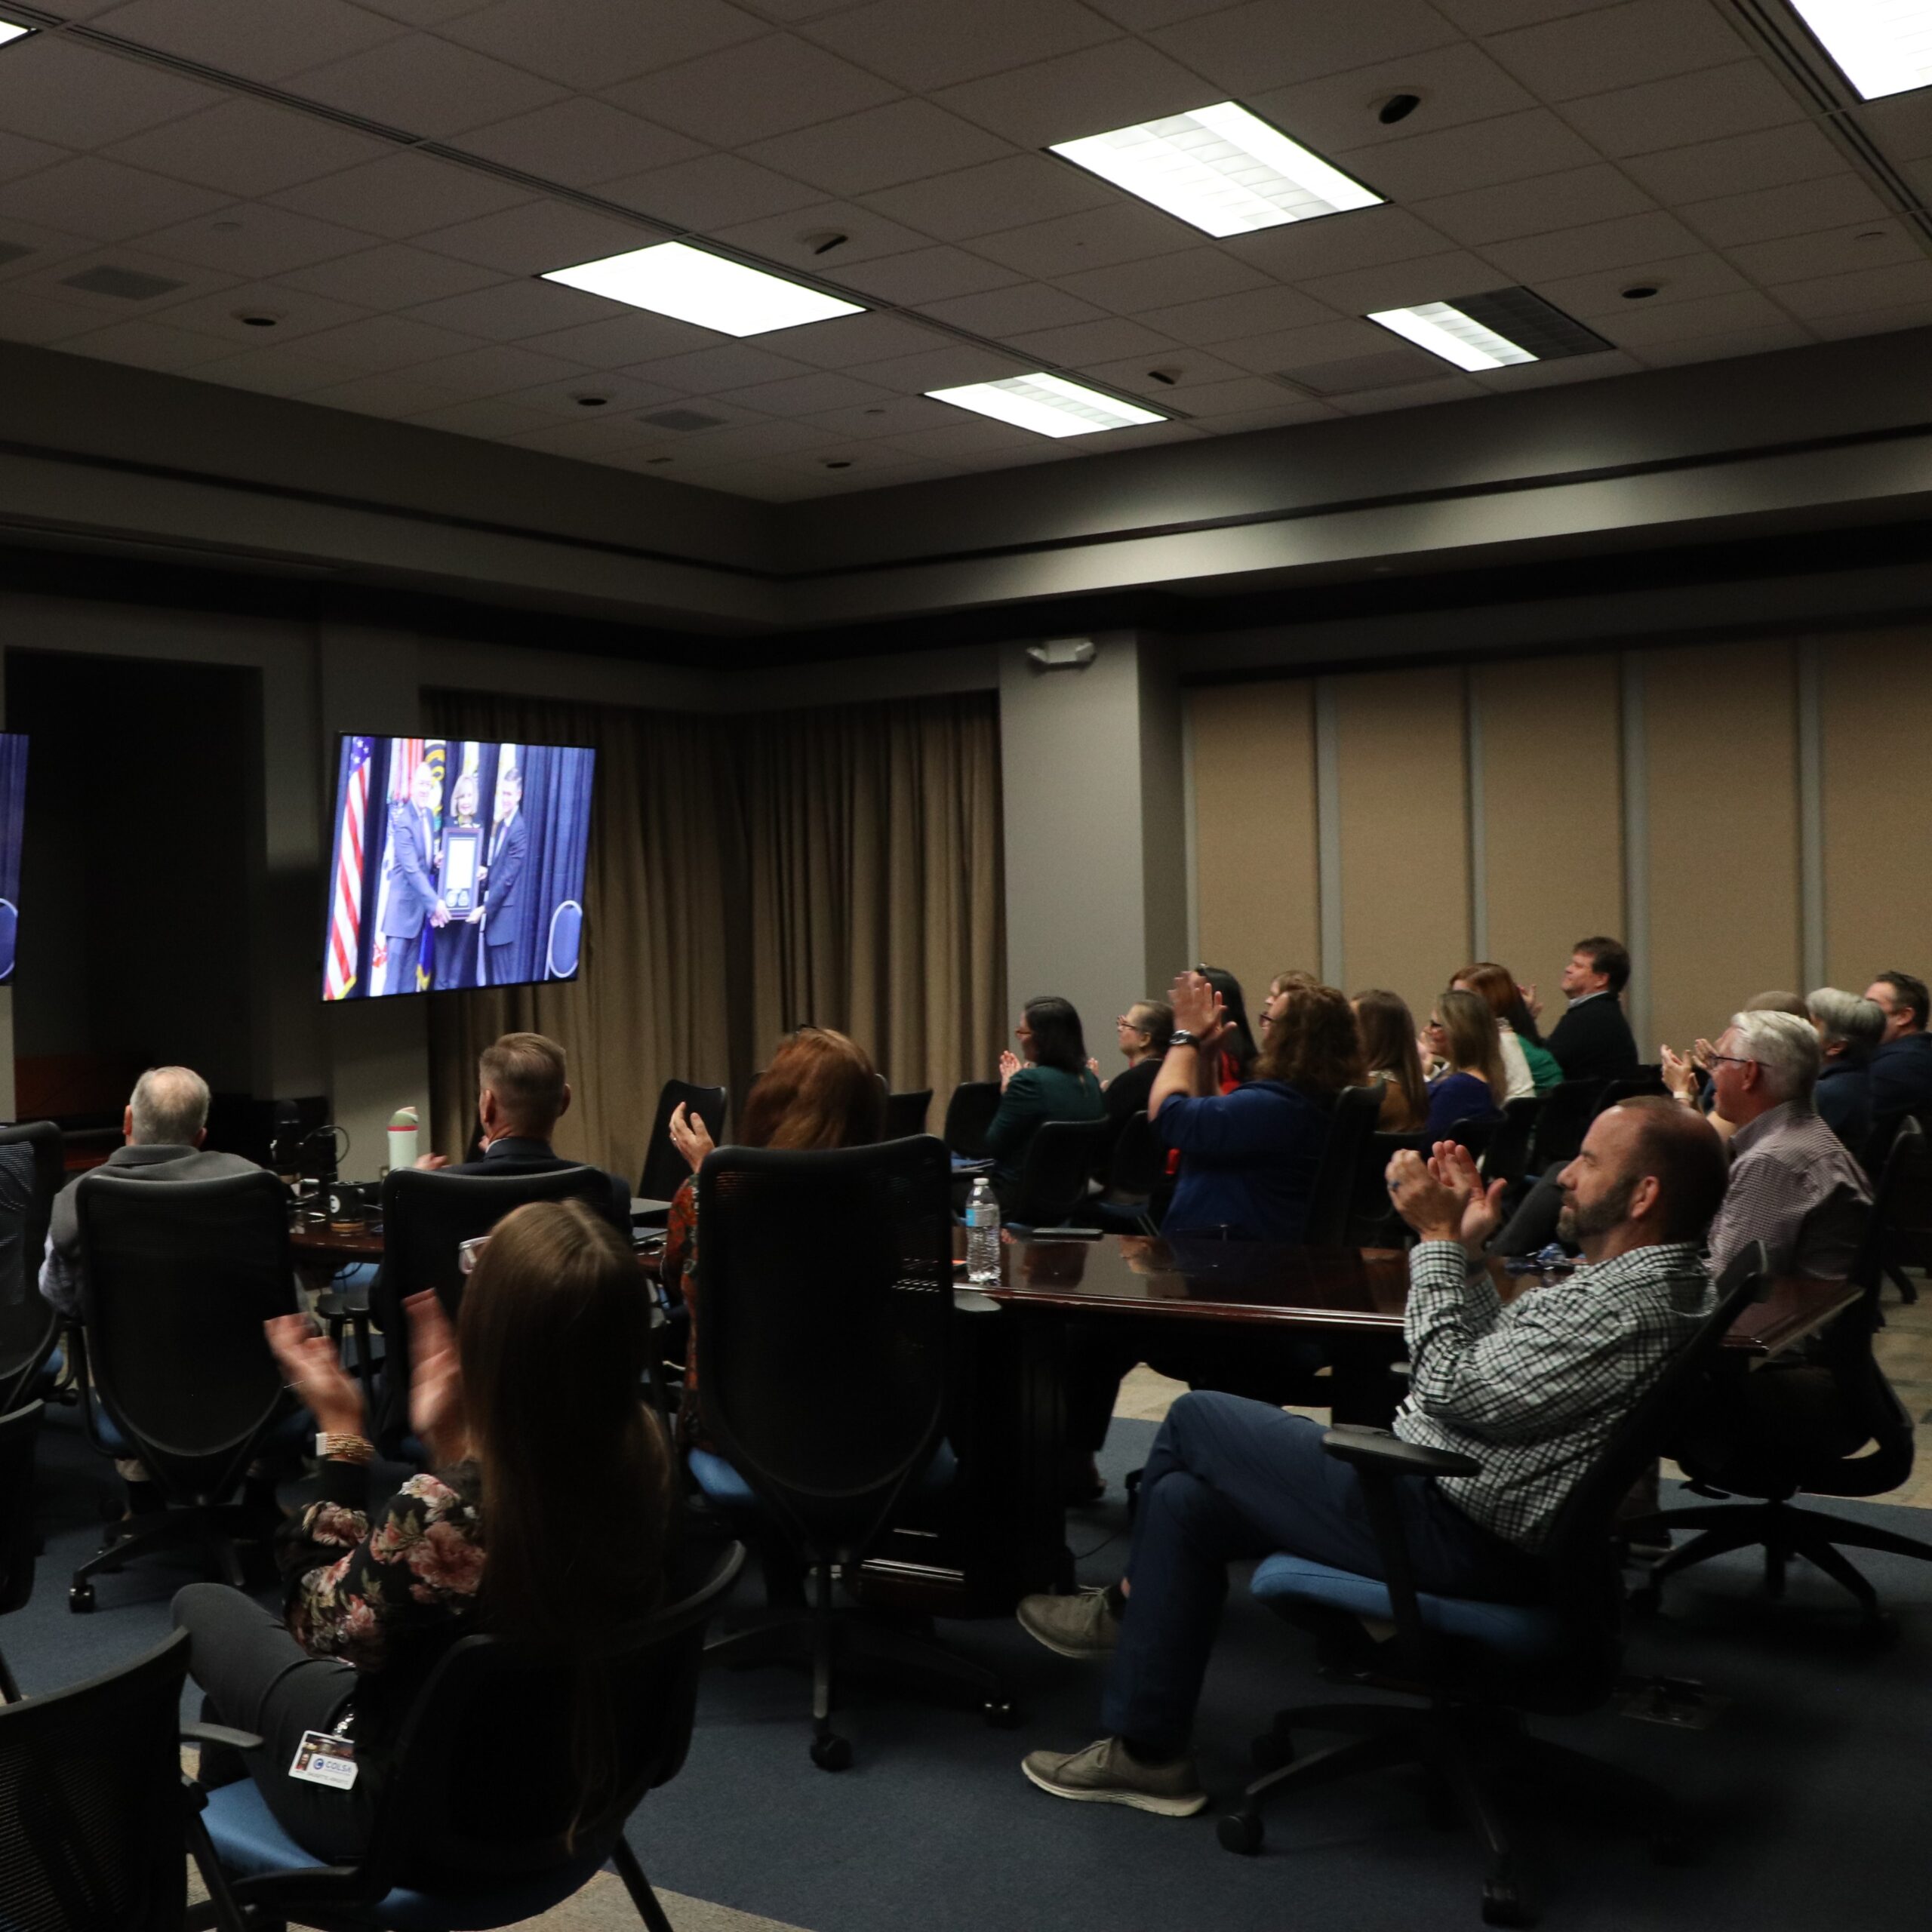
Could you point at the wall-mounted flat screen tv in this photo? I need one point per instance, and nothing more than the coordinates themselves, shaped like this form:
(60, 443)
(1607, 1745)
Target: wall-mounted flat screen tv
(455, 862)
(13, 814)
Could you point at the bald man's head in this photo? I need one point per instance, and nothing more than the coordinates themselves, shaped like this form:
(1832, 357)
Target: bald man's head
(169, 1108)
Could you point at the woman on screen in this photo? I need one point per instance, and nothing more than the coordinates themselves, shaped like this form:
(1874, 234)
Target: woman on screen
(456, 943)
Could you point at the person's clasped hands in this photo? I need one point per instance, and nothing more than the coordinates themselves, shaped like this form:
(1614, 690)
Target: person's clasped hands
(1443, 1198)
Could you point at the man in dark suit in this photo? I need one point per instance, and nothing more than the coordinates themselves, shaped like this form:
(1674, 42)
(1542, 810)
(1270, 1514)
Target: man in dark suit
(409, 879)
(1902, 1067)
(505, 908)
(1592, 1041)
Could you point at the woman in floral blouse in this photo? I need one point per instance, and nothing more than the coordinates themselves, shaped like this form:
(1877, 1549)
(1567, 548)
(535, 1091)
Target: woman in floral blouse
(540, 1448)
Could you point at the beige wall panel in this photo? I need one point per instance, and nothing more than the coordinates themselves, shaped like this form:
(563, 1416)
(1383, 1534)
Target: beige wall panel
(1401, 740)
(1877, 804)
(1257, 908)
(1552, 809)
(1720, 732)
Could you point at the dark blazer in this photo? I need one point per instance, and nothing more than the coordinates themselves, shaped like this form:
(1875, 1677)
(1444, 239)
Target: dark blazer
(1902, 1079)
(412, 893)
(503, 898)
(1843, 1101)
(512, 1155)
(1593, 1041)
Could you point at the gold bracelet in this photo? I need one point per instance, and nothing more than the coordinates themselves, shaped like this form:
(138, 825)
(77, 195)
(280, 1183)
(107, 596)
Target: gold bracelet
(329, 1447)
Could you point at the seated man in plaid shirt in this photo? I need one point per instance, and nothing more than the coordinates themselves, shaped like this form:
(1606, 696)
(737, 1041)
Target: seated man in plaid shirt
(1532, 1391)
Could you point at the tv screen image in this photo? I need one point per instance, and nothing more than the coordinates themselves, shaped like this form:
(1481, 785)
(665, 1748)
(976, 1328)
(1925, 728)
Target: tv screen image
(13, 814)
(456, 863)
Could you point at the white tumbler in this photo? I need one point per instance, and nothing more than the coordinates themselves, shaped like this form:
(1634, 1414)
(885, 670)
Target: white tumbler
(402, 1138)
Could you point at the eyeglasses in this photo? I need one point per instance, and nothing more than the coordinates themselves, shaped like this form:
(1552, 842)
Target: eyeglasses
(1729, 1059)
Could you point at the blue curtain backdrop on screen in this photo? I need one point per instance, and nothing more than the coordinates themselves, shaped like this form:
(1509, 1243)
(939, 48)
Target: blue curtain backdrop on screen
(13, 812)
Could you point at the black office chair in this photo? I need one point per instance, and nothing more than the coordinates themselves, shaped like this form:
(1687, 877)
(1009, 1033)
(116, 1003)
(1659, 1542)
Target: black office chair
(1903, 1225)
(1644, 1084)
(968, 1113)
(178, 1279)
(1372, 1222)
(98, 1814)
(1508, 1158)
(19, 1540)
(1338, 1176)
(1475, 1132)
(905, 1113)
(427, 1217)
(1481, 1667)
(1051, 1189)
(459, 1839)
(664, 1169)
(1567, 1111)
(32, 1173)
(822, 1371)
(1827, 1424)
(1135, 1175)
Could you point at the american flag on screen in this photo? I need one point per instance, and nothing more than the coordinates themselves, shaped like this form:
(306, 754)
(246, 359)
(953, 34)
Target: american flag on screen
(346, 900)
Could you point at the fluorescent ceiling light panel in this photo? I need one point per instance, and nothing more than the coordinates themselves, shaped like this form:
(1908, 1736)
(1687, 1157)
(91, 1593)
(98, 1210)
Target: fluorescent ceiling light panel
(12, 30)
(1446, 331)
(1882, 47)
(1048, 405)
(670, 279)
(1221, 168)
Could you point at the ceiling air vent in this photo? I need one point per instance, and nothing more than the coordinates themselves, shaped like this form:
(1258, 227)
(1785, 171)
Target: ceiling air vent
(130, 284)
(1531, 323)
(681, 419)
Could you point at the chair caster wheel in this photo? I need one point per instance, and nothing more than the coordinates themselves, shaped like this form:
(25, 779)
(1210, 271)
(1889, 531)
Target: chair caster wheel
(1240, 1831)
(831, 1754)
(81, 1597)
(1271, 1751)
(1002, 1714)
(1506, 1901)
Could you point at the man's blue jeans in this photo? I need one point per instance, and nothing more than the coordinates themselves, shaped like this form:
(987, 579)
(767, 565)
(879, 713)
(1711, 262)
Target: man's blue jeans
(1230, 1478)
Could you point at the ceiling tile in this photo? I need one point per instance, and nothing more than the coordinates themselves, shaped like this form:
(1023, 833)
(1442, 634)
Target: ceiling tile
(147, 345)
(1413, 395)
(945, 367)
(427, 86)
(893, 416)
(923, 44)
(275, 370)
(1096, 238)
(389, 395)
(500, 367)
(402, 194)
(1737, 164)
(1265, 44)
(19, 156)
(1007, 312)
(488, 416)
(963, 436)
(104, 200)
(1428, 279)
(1902, 123)
(1455, 83)
(1618, 47)
(1113, 85)
(729, 365)
(1241, 393)
(244, 37)
(1512, 147)
(30, 314)
(1558, 373)
(1803, 208)
(536, 237)
(1566, 199)
(247, 147)
(557, 401)
(578, 142)
(758, 439)
(218, 314)
(621, 337)
(1362, 238)
(594, 44)
(386, 342)
(1143, 16)
(1191, 368)
(929, 274)
(515, 311)
(748, 93)
(1720, 100)
(847, 340)
(592, 440)
(1226, 317)
(57, 91)
(1499, 16)
(795, 238)
(1285, 414)
(713, 191)
(1005, 194)
(56, 259)
(1644, 323)
(1840, 251)
(1093, 342)
(1722, 346)
(1187, 275)
(252, 239)
(1880, 321)
(1599, 245)
(1893, 286)
(423, 13)
(904, 141)
(1304, 348)
(1682, 279)
(390, 277)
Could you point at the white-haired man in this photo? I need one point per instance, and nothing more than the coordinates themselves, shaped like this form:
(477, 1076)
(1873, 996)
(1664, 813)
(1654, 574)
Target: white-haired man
(1793, 1186)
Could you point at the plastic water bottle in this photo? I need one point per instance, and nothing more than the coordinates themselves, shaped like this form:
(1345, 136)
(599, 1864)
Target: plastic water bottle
(982, 1233)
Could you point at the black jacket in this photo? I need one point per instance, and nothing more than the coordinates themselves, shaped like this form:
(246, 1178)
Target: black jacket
(1902, 1080)
(1593, 1041)
(511, 1155)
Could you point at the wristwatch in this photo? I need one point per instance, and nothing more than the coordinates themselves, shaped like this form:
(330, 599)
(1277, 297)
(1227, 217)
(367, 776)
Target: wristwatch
(1181, 1037)
(333, 1446)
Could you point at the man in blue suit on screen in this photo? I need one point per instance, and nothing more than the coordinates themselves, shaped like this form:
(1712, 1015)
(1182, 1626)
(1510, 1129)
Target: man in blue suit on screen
(410, 879)
(505, 908)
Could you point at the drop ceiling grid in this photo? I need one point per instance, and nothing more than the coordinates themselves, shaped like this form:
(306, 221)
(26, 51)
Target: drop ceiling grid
(1549, 149)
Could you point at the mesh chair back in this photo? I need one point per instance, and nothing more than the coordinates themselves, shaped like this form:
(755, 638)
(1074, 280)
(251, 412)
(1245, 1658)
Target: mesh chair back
(1331, 1200)
(664, 1167)
(905, 1113)
(1135, 1167)
(1567, 1111)
(1900, 1235)
(968, 1113)
(1372, 1222)
(1509, 1155)
(1473, 1131)
(442, 1828)
(30, 1174)
(824, 1305)
(1053, 1177)
(18, 1539)
(90, 1791)
(178, 1278)
(1641, 1085)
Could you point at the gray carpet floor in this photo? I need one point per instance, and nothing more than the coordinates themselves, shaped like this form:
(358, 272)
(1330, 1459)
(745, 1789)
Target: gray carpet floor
(1807, 1793)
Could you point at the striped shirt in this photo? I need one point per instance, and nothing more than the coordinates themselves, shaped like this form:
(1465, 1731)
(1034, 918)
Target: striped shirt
(1533, 1391)
(1795, 1187)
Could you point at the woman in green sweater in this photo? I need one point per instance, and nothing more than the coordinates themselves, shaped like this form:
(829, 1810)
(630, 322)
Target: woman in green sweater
(1048, 1079)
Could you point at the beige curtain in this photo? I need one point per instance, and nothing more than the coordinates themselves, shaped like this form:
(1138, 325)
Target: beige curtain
(747, 874)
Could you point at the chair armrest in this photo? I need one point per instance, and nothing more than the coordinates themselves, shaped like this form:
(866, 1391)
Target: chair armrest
(1378, 1450)
(220, 1733)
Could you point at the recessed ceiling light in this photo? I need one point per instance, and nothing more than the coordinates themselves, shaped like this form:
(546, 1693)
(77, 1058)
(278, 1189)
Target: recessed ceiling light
(1445, 331)
(1221, 168)
(12, 30)
(1398, 107)
(1881, 47)
(1048, 405)
(1641, 291)
(670, 279)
